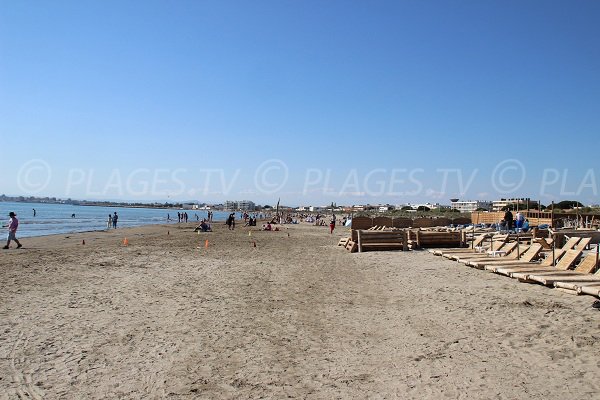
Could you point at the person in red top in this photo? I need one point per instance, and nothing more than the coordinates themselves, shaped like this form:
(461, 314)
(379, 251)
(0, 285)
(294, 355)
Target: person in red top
(13, 224)
(332, 224)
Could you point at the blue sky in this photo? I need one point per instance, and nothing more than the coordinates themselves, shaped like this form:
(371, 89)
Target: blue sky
(311, 101)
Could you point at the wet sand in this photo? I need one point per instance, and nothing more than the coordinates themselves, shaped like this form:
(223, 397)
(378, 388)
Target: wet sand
(294, 317)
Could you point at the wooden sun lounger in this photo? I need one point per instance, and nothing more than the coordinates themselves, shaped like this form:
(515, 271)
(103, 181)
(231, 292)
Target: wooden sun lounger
(583, 243)
(563, 264)
(528, 256)
(509, 249)
(495, 246)
(589, 263)
(513, 255)
(509, 269)
(581, 273)
(571, 243)
(566, 262)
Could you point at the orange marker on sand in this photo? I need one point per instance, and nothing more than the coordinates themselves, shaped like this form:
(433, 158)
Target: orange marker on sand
(125, 242)
(206, 244)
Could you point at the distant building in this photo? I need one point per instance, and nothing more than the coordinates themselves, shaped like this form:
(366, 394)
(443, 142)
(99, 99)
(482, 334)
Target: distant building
(243, 205)
(523, 202)
(431, 206)
(466, 206)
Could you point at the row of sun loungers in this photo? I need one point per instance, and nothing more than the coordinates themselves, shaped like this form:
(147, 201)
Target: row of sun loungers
(572, 267)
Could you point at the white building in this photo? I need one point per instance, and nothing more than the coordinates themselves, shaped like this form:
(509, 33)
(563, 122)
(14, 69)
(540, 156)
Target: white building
(523, 202)
(244, 205)
(466, 206)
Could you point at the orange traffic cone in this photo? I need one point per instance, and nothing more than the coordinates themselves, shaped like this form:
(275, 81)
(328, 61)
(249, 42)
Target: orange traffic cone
(206, 244)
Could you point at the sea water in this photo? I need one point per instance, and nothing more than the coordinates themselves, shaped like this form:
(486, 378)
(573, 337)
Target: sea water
(58, 218)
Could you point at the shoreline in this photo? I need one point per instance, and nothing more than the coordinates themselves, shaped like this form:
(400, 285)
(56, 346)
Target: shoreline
(107, 230)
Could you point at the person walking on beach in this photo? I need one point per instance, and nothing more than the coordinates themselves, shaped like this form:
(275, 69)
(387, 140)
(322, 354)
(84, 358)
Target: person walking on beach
(115, 218)
(13, 224)
(231, 221)
(34, 212)
(332, 224)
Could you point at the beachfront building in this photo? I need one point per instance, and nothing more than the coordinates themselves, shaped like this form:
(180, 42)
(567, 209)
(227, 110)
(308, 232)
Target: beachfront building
(243, 205)
(522, 203)
(466, 206)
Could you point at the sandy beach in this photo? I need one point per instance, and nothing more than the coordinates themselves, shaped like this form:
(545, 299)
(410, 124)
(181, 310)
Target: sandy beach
(294, 317)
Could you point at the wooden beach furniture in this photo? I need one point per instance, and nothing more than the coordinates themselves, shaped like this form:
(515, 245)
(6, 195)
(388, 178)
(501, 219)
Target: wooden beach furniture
(510, 252)
(509, 269)
(526, 258)
(571, 243)
(381, 240)
(583, 243)
(565, 263)
(444, 239)
(344, 241)
(497, 244)
(501, 253)
(582, 272)
(550, 261)
(592, 262)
